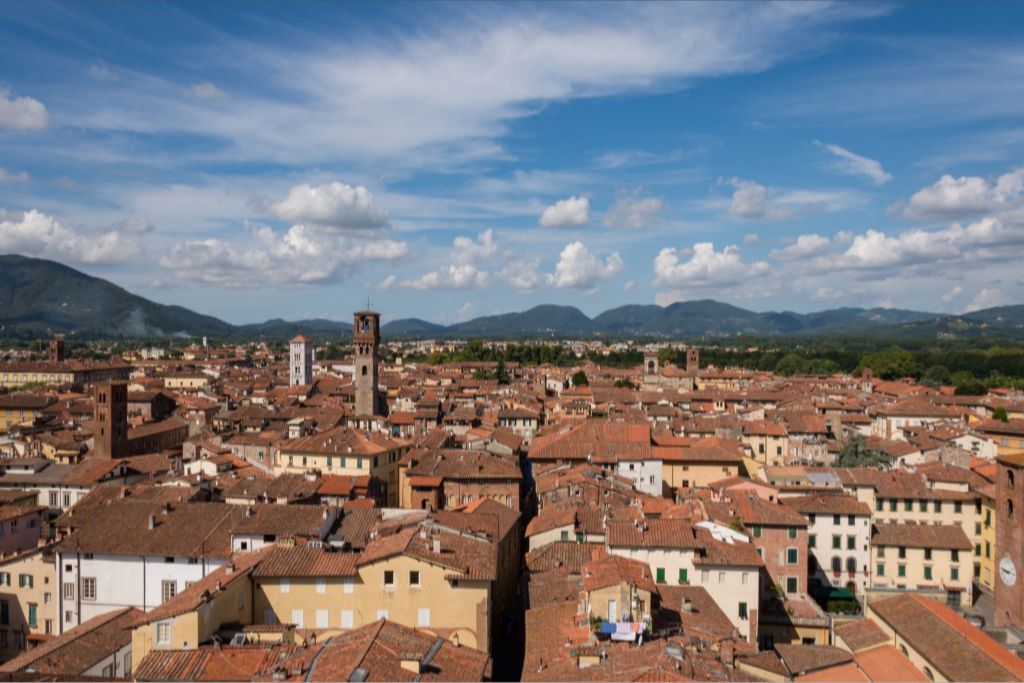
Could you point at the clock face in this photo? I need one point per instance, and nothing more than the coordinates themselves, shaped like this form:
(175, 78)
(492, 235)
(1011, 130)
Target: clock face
(1007, 572)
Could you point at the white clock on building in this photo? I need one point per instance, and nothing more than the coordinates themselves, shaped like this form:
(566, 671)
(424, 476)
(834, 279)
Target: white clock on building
(1007, 572)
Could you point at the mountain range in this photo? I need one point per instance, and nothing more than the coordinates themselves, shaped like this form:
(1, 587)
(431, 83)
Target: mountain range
(40, 297)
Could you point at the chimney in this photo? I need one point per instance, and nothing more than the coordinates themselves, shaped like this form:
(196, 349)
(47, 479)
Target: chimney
(455, 639)
(152, 522)
(688, 605)
(437, 546)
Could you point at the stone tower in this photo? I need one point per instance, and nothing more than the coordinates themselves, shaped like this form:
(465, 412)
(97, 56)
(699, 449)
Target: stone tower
(56, 350)
(366, 338)
(110, 420)
(300, 361)
(692, 361)
(1009, 580)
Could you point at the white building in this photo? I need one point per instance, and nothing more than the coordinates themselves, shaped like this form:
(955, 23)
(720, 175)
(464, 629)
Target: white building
(839, 540)
(645, 474)
(300, 361)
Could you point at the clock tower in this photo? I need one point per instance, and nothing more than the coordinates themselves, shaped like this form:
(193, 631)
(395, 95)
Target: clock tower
(1009, 593)
(366, 338)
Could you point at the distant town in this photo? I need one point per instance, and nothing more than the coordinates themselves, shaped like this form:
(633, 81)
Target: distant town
(371, 509)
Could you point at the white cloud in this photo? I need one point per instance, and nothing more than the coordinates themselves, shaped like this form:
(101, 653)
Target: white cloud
(989, 297)
(629, 286)
(750, 200)
(135, 225)
(828, 295)
(36, 234)
(304, 255)
(577, 268)
(951, 196)
(454, 276)
(336, 204)
(953, 294)
(522, 275)
(206, 91)
(388, 283)
(466, 250)
(22, 113)
(10, 177)
(704, 267)
(633, 212)
(751, 238)
(853, 164)
(573, 212)
(804, 247)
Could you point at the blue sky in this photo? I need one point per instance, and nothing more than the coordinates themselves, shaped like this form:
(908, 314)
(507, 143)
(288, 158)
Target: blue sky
(453, 160)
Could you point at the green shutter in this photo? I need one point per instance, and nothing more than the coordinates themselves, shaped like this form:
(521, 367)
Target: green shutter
(683, 576)
(661, 575)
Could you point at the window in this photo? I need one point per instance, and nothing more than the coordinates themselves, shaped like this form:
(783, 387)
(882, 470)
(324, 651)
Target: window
(892, 505)
(565, 536)
(812, 540)
(683, 578)
(168, 589)
(755, 531)
(47, 598)
(346, 618)
(414, 578)
(835, 520)
(878, 505)
(69, 591)
(744, 577)
(25, 580)
(69, 616)
(903, 553)
(791, 555)
(792, 585)
(850, 519)
(5, 578)
(837, 565)
(660, 574)
(348, 584)
(881, 551)
(108, 671)
(721, 577)
(837, 542)
(705, 576)
(54, 498)
(927, 553)
(163, 633)
(954, 574)
(923, 505)
(88, 588)
(423, 617)
(938, 506)
(851, 542)
(285, 585)
(908, 505)
(957, 507)
(321, 618)
(298, 618)
(389, 577)
(901, 570)
(792, 532)
(955, 555)
(880, 569)
(743, 611)
(48, 627)
(321, 587)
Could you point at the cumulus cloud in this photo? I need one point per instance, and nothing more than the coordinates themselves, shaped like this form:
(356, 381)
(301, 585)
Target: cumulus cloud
(951, 196)
(33, 233)
(953, 294)
(11, 177)
(828, 295)
(454, 276)
(702, 266)
(629, 286)
(388, 283)
(206, 91)
(855, 165)
(577, 268)
(303, 255)
(633, 212)
(463, 272)
(523, 275)
(22, 113)
(336, 205)
(988, 297)
(750, 200)
(804, 247)
(467, 250)
(573, 212)
(135, 225)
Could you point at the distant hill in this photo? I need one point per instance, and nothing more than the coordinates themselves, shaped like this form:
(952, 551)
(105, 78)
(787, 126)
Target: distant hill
(38, 297)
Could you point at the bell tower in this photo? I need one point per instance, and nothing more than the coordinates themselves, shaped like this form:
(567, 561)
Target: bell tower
(366, 338)
(1009, 580)
(110, 420)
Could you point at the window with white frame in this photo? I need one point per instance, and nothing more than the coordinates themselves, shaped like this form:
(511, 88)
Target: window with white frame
(321, 618)
(168, 589)
(321, 586)
(88, 588)
(163, 633)
(346, 618)
(285, 585)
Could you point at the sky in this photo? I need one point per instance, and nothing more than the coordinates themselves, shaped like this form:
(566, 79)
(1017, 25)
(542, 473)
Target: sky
(447, 161)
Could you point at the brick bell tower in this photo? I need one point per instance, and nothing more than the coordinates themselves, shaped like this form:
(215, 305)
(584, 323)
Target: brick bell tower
(1009, 580)
(110, 420)
(366, 338)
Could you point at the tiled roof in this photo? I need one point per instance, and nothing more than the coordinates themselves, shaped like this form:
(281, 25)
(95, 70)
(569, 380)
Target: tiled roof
(304, 560)
(832, 504)
(212, 663)
(861, 634)
(936, 536)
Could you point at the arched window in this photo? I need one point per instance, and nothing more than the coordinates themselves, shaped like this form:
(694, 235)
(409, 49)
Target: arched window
(1009, 509)
(851, 565)
(903, 650)
(650, 366)
(837, 565)
(364, 370)
(929, 674)
(1009, 478)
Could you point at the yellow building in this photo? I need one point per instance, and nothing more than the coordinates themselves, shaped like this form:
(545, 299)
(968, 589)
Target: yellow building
(929, 558)
(985, 548)
(17, 409)
(63, 372)
(768, 441)
(28, 601)
(697, 466)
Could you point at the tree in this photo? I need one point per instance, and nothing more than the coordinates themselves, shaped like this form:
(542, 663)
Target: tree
(791, 364)
(855, 453)
(972, 388)
(1000, 414)
(892, 364)
(624, 383)
(937, 375)
(501, 373)
(579, 379)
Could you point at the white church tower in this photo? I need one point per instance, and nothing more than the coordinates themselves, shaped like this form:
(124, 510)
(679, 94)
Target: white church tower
(300, 361)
